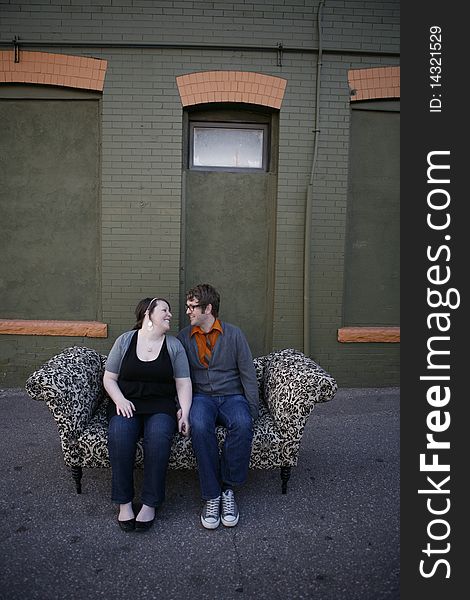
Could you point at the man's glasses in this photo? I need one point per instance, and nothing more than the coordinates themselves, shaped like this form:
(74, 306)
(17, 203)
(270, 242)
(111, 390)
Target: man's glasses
(191, 307)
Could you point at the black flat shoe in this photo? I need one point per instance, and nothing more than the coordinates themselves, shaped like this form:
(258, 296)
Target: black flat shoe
(142, 526)
(128, 525)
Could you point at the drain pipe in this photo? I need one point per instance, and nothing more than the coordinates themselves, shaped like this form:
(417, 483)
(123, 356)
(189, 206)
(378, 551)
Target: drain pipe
(309, 199)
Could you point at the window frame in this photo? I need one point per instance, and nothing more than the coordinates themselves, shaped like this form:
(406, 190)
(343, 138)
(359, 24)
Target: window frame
(229, 125)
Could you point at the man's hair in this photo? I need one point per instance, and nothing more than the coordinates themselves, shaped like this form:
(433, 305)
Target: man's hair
(205, 294)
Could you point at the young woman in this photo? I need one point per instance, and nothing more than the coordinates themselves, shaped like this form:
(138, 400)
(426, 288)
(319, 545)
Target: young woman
(148, 380)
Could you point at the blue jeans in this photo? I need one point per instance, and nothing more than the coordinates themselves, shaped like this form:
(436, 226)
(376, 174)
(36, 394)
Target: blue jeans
(123, 435)
(231, 467)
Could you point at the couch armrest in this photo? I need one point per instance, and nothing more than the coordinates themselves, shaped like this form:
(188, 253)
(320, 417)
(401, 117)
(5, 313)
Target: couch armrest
(293, 384)
(259, 363)
(71, 385)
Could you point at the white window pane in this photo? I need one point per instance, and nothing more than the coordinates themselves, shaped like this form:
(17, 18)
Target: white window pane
(225, 147)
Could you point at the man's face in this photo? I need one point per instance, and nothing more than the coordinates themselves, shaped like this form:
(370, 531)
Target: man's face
(197, 314)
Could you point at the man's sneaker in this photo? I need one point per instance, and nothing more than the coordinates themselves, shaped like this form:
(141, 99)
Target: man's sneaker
(229, 509)
(210, 516)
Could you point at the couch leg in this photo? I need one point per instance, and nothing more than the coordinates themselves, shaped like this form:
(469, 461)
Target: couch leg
(77, 473)
(285, 475)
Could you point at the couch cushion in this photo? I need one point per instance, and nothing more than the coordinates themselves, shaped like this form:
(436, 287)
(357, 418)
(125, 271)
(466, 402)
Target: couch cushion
(268, 449)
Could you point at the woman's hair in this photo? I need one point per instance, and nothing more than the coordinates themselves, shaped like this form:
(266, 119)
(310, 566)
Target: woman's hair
(205, 294)
(146, 304)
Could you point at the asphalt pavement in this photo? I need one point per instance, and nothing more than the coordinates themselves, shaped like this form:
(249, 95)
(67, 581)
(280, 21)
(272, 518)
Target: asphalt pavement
(333, 536)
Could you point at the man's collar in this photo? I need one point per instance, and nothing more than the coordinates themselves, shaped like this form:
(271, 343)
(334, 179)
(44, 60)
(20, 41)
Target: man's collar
(217, 325)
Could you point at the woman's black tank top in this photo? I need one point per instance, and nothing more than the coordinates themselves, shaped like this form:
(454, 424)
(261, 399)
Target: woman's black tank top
(149, 385)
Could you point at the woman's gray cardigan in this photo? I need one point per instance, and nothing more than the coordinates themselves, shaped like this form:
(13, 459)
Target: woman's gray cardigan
(176, 351)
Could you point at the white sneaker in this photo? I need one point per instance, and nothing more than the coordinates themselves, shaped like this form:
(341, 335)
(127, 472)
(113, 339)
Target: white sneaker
(210, 515)
(230, 512)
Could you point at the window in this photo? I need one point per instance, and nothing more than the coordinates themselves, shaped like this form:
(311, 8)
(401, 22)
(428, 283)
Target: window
(372, 270)
(228, 146)
(49, 203)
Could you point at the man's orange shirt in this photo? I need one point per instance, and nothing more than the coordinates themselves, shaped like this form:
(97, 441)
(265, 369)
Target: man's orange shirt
(204, 349)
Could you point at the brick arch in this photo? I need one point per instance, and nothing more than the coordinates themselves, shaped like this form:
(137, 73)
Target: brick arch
(53, 69)
(373, 84)
(231, 86)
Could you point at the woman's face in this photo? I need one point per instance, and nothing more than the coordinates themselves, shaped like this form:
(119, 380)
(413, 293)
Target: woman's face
(161, 315)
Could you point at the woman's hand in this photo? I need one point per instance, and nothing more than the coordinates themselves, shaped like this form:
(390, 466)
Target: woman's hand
(184, 391)
(124, 407)
(183, 423)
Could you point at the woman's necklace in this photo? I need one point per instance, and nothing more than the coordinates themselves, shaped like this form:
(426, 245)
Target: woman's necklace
(150, 344)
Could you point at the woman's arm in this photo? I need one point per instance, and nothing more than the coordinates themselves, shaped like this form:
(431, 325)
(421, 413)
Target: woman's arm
(124, 407)
(184, 389)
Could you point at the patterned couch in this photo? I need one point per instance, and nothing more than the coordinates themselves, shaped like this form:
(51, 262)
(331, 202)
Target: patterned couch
(290, 384)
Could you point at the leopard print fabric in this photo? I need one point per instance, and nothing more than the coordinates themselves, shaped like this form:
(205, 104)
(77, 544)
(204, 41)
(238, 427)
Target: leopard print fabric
(292, 385)
(71, 385)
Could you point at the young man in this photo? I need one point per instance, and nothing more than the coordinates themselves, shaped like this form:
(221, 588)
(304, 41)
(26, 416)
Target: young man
(225, 391)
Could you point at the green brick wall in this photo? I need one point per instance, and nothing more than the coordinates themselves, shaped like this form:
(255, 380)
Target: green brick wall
(142, 145)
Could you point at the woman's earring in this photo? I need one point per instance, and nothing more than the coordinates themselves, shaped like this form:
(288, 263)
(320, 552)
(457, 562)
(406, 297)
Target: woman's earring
(149, 324)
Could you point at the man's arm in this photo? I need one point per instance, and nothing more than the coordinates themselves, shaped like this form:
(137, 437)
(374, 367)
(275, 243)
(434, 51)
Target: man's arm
(247, 372)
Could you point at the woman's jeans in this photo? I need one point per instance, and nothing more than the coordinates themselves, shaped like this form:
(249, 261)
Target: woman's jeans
(123, 434)
(232, 467)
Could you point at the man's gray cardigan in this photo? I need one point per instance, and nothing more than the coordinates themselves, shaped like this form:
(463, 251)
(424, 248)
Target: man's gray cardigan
(231, 369)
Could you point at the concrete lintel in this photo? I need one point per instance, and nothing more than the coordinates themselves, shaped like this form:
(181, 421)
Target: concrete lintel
(369, 334)
(53, 327)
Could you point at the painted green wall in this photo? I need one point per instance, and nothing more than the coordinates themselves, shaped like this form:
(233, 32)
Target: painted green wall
(141, 154)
